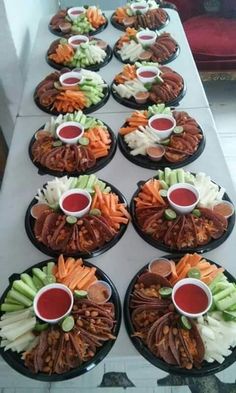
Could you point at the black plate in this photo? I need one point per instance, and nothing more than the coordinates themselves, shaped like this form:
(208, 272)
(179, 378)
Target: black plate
(160, 246)
(121, 27)
(171, 58)
(66, 35)
(95, 67)
(100, 162)
(205, 370)
(146, 162)
(86, 111)
(14, 360)
(29, 224)
(131, 103)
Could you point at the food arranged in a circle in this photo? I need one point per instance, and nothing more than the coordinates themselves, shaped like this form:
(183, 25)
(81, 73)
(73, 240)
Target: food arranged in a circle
(68, 91)
(140, 13)
(145, 45)
(77, 216)
(78, 20)
(57, 318)
(179, 210)
(72, 144)
(180, 315)
(143, 84)
(79, 51)
(158, 136)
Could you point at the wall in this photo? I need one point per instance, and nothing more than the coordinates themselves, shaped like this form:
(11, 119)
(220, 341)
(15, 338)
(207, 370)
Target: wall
(103, 4)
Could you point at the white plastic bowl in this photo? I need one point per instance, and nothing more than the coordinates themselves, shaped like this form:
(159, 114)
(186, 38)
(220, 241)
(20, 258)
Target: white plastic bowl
(79, 213)
(106, 286)
(143, 4)
(80, 10)
(146, 42)
(70, 141)
(71, 74)
(162, 134)
(201, 285)
(83, 38)
(147, 79)
(178, 208)
(45, 289)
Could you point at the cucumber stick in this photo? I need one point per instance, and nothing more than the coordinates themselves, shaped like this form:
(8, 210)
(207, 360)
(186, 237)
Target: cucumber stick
(226, 302)
(22, 299)
(23, 288)
(28, 280)
(222, 294)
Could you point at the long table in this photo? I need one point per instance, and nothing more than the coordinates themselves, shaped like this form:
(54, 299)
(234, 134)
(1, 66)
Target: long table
(21, 179)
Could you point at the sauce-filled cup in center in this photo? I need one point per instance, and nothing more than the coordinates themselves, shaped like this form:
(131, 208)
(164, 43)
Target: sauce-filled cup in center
(162, 125)
(139, 7)
(53, 303)
(147, 74)
(75, 202)
(76, 40)
(74, 12)
(191, 297)
(70, 132)
(70, 79)
(183, 197)
(146, 37)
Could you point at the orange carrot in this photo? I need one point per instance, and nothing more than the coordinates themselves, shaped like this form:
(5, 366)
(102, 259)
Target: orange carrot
(61, 267)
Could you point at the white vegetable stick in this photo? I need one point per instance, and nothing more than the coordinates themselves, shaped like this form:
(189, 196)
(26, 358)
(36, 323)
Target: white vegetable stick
(208, 332)
(22, 340)
(15, 318)
(25, 326)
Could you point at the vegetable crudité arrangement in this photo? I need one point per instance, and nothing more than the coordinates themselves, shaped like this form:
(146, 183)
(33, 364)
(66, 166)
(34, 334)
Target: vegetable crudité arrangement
(153, 18)
(107, 216)
(59, 347)
(87, 54)
(52, 96)
(166, 87)
(54, 155)
(90, 21)
(171, 336)
(180, 145)
(131, 49)
(164, 226)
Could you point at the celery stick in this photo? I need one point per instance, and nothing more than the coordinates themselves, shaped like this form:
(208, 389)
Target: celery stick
(23, 288)
(28, 280)
(20, 298)
(11, 307)
(39, 274)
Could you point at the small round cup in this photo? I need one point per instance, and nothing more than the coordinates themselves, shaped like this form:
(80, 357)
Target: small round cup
(155, 156)
(147, 79)
(70, 141)
(71, 74)
(74, 12)
(92, 288)
(201, 285)
(146, 42)
(82, 38)
(45, 289)
(164, 272)
(162, 134)
(141, 7)
(179, 208)
(79, 213)
(228, 205)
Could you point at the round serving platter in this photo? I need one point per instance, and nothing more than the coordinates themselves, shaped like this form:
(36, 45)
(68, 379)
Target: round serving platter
(66, 35)
(14, 360)
(100, 162)
(205, 370)
(121, 27)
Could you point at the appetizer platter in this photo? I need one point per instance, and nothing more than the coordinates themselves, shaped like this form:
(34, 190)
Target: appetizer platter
(181, 211)
(140, 13)
(78, 20)
(161, 136)
(146, 45)
(72, 144)
(59, 319)
(79, 51)
(77, 216)
(144, 83)
(180, 315)
(67, 91)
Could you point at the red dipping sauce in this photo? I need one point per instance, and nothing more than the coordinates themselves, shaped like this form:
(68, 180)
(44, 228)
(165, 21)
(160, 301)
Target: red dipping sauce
(78, 42)
(191, 298)
(76, 12)
(147, 74)
(75, 202)
(54, 303)
(183, 197)
(70, 132)
(146, 37)
(71, 80)
(139, 7)
(161, 124)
